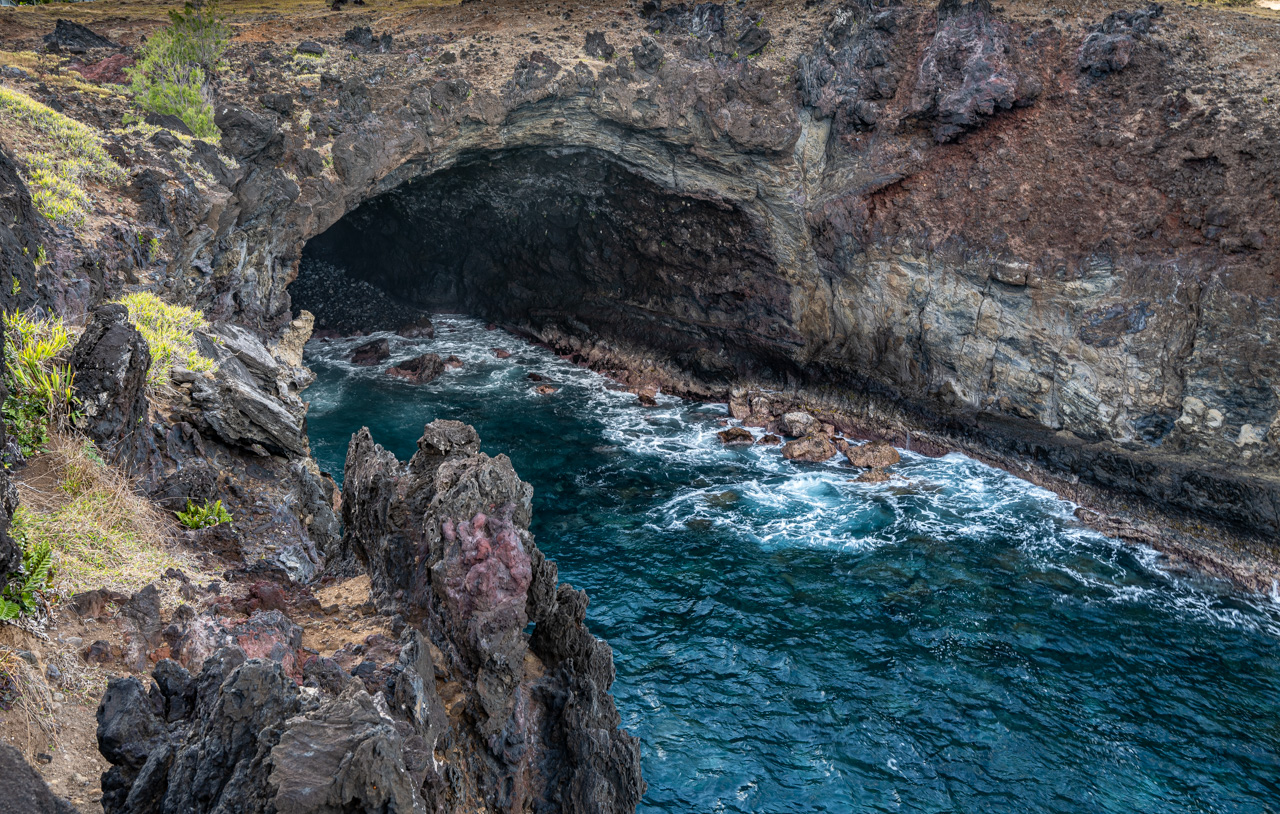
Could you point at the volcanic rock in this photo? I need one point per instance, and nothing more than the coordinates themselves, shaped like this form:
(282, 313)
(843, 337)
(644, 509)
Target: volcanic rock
(74, 38)
(812, 448)
(599, 47)
(799, 424)
(872, 455)
(371, 353)
(418, 329)
(22, 790)
(110, 362)
(736, 436)
(419, 370)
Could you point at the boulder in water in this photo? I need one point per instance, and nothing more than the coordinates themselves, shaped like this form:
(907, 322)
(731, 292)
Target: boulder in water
(371, 353)
(419, 370)
(735, 436)
(418, 329)
(873, 455)
(811, 448)
(799, 424)
(501, 353)
(873, 476)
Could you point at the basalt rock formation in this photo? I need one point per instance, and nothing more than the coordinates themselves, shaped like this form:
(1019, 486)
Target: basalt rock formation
(468, 711)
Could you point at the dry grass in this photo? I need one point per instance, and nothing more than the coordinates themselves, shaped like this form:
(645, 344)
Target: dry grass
(103, 533)
(32, 704)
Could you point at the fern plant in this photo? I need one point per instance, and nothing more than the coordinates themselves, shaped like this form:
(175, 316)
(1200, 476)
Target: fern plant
(24, 593)
(41, 388)
(202, 517)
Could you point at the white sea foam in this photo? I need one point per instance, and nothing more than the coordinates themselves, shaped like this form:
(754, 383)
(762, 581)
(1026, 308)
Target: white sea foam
(778, 504)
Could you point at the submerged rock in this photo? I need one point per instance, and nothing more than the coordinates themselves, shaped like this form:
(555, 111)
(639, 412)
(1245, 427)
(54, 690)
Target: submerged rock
(418, 329)
(873, 476)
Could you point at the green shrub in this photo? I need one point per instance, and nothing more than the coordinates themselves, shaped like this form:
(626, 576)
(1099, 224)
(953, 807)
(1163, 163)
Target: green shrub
(175, 64)
(40, 386)
(60, 157)
(23, 593)
(202, 517)
(168, 330)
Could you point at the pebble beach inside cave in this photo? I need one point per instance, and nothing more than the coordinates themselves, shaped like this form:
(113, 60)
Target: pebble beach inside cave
(788, 640)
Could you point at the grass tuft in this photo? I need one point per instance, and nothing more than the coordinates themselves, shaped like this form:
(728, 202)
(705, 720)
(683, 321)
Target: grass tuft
(102, 532)
(168, 330)
(61, 155)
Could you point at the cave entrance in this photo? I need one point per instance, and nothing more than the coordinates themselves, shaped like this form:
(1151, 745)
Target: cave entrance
(565, 243)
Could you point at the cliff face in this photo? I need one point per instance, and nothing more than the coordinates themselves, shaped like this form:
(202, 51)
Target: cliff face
(1047, 247)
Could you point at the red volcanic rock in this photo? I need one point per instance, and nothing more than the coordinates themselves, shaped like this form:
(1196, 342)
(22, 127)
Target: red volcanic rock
(108, 71)
(501, 353)
(493, 572)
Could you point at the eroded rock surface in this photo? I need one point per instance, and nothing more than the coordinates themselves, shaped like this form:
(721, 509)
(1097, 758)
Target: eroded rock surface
(530, 724)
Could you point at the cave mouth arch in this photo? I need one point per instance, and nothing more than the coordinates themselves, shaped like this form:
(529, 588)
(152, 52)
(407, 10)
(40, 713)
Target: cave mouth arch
(570, 243)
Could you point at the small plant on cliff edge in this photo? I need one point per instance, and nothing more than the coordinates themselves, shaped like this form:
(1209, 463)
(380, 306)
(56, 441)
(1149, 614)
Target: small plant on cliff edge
(202, 517)
(171, 78)
(169, 331)
(24, 592)
(40, 386)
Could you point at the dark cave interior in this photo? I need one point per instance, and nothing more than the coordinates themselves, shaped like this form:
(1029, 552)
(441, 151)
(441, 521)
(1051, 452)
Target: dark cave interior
(573, 243)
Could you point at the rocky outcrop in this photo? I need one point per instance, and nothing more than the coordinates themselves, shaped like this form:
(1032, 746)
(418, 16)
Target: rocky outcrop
(75, 38)
(529, 726)
(445, 539)
(251, 400)
(969, 71)
(1110, 45)
(110, 362)
(22, 791)
(19, 232)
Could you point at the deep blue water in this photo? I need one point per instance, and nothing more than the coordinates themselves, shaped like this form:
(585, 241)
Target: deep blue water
(790, 641)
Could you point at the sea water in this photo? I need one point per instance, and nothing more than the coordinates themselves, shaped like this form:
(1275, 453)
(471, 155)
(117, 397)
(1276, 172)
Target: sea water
(789, 640)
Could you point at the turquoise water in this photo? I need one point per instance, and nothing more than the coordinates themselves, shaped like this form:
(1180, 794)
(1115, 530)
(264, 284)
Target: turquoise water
(790, 641)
